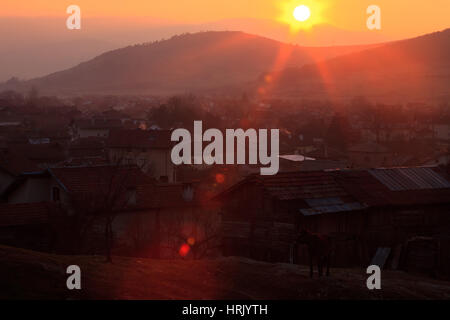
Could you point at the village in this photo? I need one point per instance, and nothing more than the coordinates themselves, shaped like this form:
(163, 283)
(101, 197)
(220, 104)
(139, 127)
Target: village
(93, 175)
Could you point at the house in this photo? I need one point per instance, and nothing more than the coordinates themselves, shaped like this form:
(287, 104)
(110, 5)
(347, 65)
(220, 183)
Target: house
(26, 225)
(442, 131)
(362, 209)
(404, 205)
(261, 215)
(402, 202)
(151, 219)
(440, 159)
(44, 155)
(167, 218)
(296, 162)
(83, 128)
(61, 184)
(12, 164)
(87, 147)
(369, 155)
(148, 149)
(324, 152)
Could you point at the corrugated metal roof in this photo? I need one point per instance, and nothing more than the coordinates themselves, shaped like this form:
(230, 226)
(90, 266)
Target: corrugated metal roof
(401, 179)
(351, 206)
(323, 201)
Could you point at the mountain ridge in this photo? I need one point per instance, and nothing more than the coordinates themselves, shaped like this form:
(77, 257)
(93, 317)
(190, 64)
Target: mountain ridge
(417, 67)
(187, 62)
(221, 61)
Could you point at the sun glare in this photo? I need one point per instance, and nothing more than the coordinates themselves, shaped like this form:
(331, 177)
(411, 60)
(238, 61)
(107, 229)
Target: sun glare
(301, 16)
(302, 13)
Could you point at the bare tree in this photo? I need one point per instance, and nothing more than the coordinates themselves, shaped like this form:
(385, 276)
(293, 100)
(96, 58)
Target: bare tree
(112, 193)
(115, 197)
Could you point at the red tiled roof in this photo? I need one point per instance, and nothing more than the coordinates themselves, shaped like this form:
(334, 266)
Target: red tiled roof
(314, 192)
(114, 114)
(148, 139)
(369, 147)
(88, 142)
(87, 147)
(296, 185)
(350, 186)
(16, 163)
(363, 186)
(24, 213)
(99, 178)
(98, 123)
(301, 185)
(84, 161)
(51, 152)
(370, 190)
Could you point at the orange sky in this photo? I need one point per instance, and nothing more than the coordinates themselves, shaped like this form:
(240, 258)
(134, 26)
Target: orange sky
(39, 26)
(400, 18)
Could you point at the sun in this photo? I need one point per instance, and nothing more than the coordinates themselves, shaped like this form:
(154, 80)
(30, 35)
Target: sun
(302, 13)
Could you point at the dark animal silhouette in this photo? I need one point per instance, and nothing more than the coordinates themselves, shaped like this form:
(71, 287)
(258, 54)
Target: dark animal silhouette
(320, 247)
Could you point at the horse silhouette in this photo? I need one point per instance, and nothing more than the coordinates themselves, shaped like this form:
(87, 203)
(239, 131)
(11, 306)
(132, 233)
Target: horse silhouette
(320, 247)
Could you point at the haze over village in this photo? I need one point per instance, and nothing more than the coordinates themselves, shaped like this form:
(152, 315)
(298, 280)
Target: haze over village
(340, 159)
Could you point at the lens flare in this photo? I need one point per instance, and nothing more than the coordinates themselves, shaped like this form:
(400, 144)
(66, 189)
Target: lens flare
(184, 250)
(220, 178)
(191, 241)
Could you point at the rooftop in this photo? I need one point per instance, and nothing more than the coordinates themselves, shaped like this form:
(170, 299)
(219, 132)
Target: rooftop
(346, 190)
(396, 186)
(145, 139)
(97, 178)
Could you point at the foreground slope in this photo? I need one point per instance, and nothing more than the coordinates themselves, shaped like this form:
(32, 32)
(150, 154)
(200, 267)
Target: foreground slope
(28, 274)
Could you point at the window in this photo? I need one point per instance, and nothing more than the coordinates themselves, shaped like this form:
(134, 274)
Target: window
(55, 194)
(141, 162)
(131, 196)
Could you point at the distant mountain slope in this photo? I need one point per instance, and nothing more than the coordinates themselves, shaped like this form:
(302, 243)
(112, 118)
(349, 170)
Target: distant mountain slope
(410, 69)
(189, 62)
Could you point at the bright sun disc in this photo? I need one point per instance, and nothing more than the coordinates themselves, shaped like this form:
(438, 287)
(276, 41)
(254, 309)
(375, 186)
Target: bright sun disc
(302, 13)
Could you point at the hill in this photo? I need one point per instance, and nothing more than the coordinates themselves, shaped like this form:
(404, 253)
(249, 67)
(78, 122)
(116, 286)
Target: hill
(417, 68)
(189, 62)
(32, 275)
